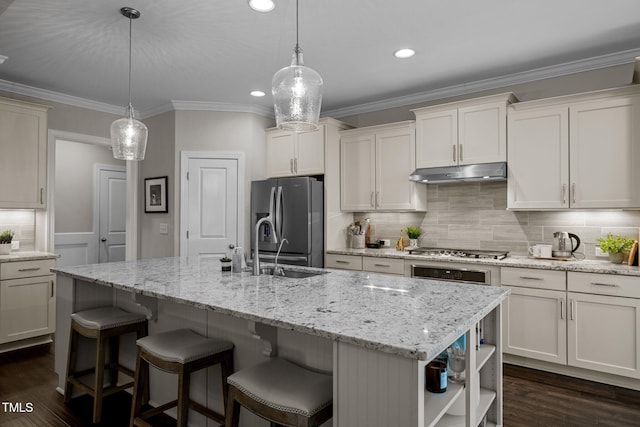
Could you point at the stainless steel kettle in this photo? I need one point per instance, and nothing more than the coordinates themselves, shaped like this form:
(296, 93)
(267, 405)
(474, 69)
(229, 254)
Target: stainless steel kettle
(563, 246)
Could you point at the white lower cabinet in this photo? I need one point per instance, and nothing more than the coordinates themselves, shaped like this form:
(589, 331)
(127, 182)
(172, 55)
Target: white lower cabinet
(365, 263)
(602, 328)
(535, 324)
(593, 324)
(27, 300)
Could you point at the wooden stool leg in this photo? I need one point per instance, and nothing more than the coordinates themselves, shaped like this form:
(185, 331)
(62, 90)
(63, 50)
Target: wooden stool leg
(139, 386)
(226, 369)
(142, 332)
(101, 343)
(232, 411)
(114, 356)
(71, 362)
(184, 380)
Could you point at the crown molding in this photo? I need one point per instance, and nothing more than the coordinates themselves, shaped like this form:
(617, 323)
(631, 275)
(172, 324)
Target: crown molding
(61, 98)
(579, 66)
(222, 106)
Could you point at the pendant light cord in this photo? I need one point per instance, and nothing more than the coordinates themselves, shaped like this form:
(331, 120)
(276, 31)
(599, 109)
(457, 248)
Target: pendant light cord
(130, 37)
(297, 49)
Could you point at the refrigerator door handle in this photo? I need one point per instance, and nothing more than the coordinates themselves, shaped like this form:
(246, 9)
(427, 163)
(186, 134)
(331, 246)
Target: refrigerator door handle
(278, 224)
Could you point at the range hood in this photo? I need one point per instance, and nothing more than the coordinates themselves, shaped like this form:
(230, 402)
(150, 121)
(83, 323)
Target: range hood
(463, 173)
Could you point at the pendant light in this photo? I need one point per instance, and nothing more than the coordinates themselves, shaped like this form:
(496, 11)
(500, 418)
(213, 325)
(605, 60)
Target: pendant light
(128, 135)
(297, 93)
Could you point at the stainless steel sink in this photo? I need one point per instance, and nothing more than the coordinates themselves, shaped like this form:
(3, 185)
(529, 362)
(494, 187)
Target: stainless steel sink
(293, 274)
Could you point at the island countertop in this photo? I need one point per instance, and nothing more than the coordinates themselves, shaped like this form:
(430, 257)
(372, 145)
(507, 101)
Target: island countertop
(413, 318)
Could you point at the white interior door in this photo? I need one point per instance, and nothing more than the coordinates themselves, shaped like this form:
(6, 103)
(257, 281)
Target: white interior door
(212, 199)
(112, 215)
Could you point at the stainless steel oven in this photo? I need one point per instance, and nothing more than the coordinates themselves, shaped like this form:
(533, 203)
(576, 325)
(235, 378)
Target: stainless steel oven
(455, 274)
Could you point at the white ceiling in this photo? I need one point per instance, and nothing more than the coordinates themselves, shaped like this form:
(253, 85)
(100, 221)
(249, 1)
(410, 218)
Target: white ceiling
(215, 52)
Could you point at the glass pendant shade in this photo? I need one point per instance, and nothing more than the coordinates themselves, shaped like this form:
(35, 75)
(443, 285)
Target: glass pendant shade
(128, 138)
(297, 95)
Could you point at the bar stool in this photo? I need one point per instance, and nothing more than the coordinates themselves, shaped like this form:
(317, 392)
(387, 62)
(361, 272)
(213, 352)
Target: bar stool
(105, 325)
(282, 393)
(180, 352)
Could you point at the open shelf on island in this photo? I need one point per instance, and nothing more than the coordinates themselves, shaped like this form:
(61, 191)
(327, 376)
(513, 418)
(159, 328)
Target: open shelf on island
(486, 399)
(436, 404)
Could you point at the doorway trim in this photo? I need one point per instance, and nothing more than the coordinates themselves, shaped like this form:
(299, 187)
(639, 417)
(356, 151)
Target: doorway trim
(45, 220)
(185, 156)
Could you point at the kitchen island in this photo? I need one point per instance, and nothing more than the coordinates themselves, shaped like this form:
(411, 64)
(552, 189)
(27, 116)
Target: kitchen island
(375, 333)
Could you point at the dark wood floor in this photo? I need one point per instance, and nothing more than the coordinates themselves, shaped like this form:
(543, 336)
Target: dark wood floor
(531, 398)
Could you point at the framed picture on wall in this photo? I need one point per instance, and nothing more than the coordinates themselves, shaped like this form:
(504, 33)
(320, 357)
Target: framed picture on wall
(155, 195)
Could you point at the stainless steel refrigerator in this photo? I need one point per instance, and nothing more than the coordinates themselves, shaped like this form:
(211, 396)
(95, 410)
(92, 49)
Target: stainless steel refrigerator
(296, 206)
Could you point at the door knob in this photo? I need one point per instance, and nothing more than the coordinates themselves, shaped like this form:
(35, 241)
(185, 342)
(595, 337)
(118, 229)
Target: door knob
(231, 246)
(104, 239)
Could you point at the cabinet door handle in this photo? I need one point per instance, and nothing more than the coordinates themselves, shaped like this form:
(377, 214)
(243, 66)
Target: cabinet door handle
(564, 193)
(42, 195)
(377, 198)
(52, 289)
(291, 165)
(561, 308)
(295, 164)
(382, 265)
(531, 278)
(609, 285)
(29, 269)
(571, 309)
(573, 192)
(371, 200)
(455, 156)
(339, 261)
(460, 152)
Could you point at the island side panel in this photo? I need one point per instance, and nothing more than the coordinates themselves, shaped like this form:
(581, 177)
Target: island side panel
(375, 389)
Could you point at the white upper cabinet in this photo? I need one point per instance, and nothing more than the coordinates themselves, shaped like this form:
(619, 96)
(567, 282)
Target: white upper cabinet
(375, 164)
(295, 154)
(23, 155)
(459, 133)
(575, 152)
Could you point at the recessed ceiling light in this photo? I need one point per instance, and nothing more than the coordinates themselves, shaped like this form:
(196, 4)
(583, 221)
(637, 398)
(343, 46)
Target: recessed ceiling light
(404, 53)
(262, 5)
(257, 93)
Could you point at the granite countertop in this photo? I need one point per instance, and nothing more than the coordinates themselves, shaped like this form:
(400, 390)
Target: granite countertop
(579, 265)
(413, 318)
(27, 256)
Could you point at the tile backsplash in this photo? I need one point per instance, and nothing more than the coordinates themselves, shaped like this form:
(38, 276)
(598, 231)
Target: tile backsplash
(474, 216)
(23, 224)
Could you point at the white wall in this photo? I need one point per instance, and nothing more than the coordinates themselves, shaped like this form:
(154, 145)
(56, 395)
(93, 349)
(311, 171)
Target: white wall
(221, 131)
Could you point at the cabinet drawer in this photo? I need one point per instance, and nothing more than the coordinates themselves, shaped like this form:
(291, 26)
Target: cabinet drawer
(345, 262)
(20, 269)
(383, 265)
(604, 284)
(534, 278)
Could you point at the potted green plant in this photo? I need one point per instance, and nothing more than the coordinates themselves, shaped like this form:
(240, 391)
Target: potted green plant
(413, 233)
(226, 263)
(616, 247)
(5, 242)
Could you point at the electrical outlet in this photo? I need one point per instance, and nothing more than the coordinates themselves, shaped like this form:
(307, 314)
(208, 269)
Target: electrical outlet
(599, 252)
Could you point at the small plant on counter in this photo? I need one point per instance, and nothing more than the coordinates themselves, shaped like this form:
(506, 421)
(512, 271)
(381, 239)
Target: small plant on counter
(614, 245)
(225, 259)
(413, 232)
(6, 236)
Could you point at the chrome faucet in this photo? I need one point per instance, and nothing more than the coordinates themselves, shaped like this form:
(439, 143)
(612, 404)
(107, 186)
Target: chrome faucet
(256, 251)
(275, 267)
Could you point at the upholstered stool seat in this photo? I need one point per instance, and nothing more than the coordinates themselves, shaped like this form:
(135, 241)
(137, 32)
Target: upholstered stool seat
(281, 392)
(181, 352)
(105, 325)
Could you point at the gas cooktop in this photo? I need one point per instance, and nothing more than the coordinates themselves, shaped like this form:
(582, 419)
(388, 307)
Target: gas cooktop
(463, 253)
